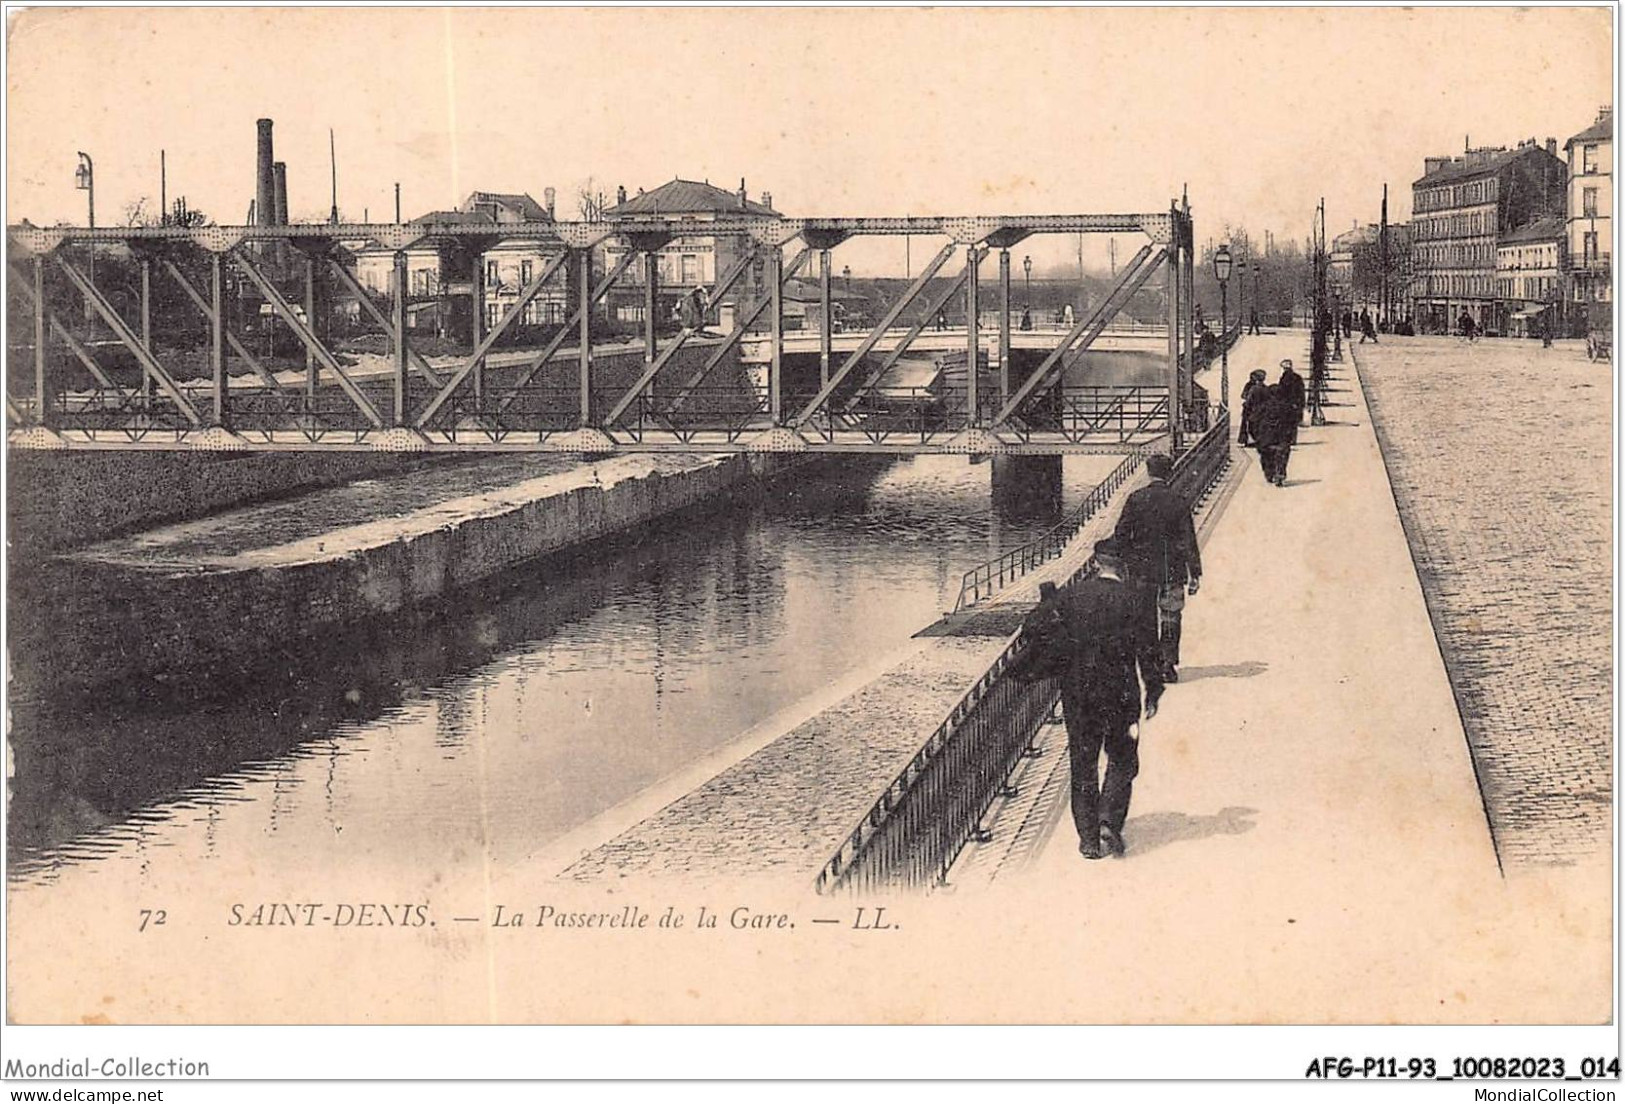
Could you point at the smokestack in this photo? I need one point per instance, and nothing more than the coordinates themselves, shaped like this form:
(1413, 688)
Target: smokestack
(548, 196)
(280, 171)
(741, 193)
(264, 178)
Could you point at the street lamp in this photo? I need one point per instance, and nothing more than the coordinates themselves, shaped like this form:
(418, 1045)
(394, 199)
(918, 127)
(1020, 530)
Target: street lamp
(1027, 300)
(1222, 265)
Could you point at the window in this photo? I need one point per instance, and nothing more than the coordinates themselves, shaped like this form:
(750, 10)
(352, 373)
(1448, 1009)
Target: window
(691, 269)
(1590, 245)
(1588, 202)
(1588, 159)
(526, 272)
(492, 278)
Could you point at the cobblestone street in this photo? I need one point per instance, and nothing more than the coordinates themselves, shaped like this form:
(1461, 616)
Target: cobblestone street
(1498, 454)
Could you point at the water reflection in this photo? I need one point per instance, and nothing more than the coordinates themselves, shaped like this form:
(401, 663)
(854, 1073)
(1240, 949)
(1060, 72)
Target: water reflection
(495, 722)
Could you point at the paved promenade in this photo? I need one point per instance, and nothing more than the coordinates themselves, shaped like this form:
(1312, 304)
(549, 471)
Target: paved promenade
(1307, 839)
(1500, 454)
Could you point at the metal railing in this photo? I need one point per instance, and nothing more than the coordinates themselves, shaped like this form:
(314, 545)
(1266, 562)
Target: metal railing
(987, 579)
(915, 830)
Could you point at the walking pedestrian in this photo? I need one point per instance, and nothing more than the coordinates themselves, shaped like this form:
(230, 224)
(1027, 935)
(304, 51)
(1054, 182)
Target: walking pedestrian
(1348, 323)
(1367, 328)
(1469, 328)
(1157, 537)
(1290, 388)
(1275, 428)
(1249, 399)
(1098, 644)
(1252, 323)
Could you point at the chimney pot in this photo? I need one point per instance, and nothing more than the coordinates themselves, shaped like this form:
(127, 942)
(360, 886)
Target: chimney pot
(620, 194)
(741, 192)
(1551, 146)
(767, 199)
(548, 197)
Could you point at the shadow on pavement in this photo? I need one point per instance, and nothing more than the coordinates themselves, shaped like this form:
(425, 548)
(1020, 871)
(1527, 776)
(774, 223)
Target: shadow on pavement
(1154, 830)
(1223, 670)
(1299, 482)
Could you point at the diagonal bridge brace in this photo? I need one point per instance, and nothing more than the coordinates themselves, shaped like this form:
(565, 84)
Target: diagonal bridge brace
(378, 316)
(908, 339)
(741, 328)
(236, 344)
(654, 367)
(869, 342)
(535, 363)
(1134, 277)
(310, 340)
(92, 365)
(128, 339)
(531, 291)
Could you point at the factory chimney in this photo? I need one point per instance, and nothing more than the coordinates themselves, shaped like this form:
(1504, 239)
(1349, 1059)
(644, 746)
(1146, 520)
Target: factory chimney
(280, 170)
(264, 178)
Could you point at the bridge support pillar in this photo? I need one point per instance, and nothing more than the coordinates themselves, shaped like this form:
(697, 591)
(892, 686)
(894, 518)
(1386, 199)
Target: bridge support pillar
(1027, 487)
(584, 333)
(973, 337)
(1004, 327)
(146, 322)
(41, 411)
(217, 335)
(400, 338)
(476, 325)
(1175, 419)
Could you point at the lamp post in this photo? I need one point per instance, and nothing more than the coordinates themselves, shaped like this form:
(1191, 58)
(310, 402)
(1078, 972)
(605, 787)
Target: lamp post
(84, 179)
(1222, 265)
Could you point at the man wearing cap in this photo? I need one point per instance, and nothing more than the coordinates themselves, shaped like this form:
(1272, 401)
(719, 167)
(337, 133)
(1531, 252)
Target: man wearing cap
(1290, 389)
(1158, 540)
(1099, 645)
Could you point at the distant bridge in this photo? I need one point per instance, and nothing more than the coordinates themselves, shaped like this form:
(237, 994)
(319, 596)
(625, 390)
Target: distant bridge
(563, 396)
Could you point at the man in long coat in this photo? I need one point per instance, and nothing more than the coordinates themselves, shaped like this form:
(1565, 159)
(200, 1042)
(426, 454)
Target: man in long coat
(1275, 425)
(1098, 643)
(1158, 539)
(1290, 389)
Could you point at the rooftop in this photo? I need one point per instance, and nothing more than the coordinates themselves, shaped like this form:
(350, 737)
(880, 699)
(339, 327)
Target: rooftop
(1599, 131)
(520, 203)
(681, 197)
(1544, 229)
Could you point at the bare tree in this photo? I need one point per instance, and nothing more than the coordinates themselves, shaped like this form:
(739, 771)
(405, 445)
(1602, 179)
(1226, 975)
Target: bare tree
(591, 201)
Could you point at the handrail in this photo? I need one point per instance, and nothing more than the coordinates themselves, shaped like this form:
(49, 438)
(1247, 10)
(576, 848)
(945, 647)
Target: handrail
(986, 579)
(915, 830)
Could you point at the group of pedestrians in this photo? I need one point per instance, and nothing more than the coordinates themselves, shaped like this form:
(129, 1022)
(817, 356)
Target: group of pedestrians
(1110, 634)
(1270, 414)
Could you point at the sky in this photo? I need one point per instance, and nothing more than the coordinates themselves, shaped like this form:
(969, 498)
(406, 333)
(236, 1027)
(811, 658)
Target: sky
(1259, 112)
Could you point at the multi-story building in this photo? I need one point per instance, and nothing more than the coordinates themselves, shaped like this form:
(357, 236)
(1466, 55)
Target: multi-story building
(689, 262)
(1591, 209)
(1528, 273)
(1460, 209)
(436, 294)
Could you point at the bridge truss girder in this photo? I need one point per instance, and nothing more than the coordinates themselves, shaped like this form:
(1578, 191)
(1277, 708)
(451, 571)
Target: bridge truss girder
(630, 418)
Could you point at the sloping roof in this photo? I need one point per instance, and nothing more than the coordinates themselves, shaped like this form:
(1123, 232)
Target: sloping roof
(1545, 229)
(1462, 169)
(682, 197)
(528, 208)
(454, 218)
(1598, 131)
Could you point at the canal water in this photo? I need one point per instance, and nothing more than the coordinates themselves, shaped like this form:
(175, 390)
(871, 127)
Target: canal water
(491, 724)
